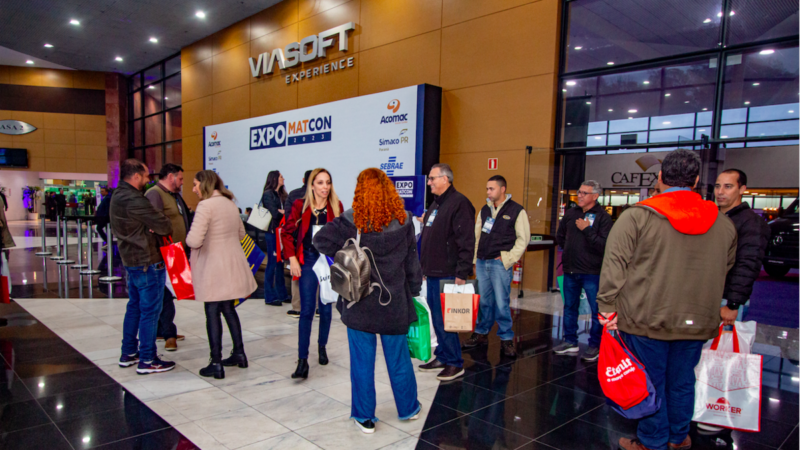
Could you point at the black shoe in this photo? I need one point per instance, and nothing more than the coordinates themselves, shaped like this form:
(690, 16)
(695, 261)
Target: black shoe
(293, 314)
(302, 369)
(317, 313)
(277, 303)
(235, 360)
(433, 366)
(475, 340)
(450, 373)
(288, 299)
(323, 356)
(367, 427)
(508, 350)
(213, 370)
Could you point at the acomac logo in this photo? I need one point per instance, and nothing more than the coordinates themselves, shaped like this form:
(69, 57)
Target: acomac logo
(394, 105)
(214, 136)
(722, 405)
(214, 142)
(391, 166)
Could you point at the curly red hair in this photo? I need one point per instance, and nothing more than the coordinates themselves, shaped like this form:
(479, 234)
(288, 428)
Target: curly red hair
(376, 202)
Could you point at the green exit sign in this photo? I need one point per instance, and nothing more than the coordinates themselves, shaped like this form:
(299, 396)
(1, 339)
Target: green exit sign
(536, 238)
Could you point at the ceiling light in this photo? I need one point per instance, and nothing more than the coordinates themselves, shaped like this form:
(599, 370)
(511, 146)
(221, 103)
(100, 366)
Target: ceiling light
(791, 110)
(687, 101)
(705, 109)
(632, 111)
(768, 51)
(667, 123)
(41, 385)
(588, 103)
(29, 61)
(74, 22)
(86, 439)
(756, 84)
(719, 14)
(59, 406)
(569, 124)
(610, 63)
(154, 40)
(118, 58)
(667, 95)
(746, 103)
(613, 192)
(723, 137)
(630, 117)
(563, 90)
(733, 12)
(597, 137)
(48, 45)
(646, 82)
(578, 48)
(571, 83)
(200, 15)
(166, 98)
(610, 110)
(707, 21)
(702, 129)
(151, 87)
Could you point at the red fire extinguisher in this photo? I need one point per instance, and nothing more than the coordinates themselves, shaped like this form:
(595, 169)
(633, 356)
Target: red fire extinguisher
(517, 273)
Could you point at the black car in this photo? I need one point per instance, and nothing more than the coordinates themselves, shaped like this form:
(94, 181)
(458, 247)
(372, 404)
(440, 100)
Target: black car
(782, 249)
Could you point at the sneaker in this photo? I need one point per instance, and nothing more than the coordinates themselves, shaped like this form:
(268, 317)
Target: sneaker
(171, 345)
(275, 303)
(128, 360)
(367, 427)
(475, 340)
(685, 445)
(631, 444)
(293, 314)
(508, 349)
(154, 366)
(591, 354)
(416, 416)
(433, 366)
(565, 348)
(450, 373)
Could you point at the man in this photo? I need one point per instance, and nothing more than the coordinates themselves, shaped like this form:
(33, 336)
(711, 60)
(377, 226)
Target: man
(502, 233)
(101, 216)
(663, 274)
(166, 198)
(752, 237)
(448, 245)
(135, 223)
(296, 194)
(582, 234)
(61, 203)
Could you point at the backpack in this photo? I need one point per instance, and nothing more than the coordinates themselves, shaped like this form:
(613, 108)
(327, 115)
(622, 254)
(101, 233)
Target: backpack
(351, 271)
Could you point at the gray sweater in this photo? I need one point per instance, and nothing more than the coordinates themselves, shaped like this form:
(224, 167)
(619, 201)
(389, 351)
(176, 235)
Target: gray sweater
(395, 251)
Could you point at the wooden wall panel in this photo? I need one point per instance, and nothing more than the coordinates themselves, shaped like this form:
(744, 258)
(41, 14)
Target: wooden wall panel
(231, 105)
(230, 68)
(330, 87)
(233, 36)
(470, 173)
(196, 115)
(274, 18)
(196, 80)
(55, 121)
(194, 53)
(348, 12)
(386, 21)
(270, 95)
(418, 56)
(457, 11)
(308, 8)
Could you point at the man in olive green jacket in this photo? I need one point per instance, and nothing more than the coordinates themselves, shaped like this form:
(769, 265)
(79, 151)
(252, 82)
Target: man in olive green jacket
(663, 274)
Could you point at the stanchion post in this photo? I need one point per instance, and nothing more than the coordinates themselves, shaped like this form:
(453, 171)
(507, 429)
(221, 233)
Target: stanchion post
(44, 251)
(80, 264)
(90, 270)
(66, 259)
(58, 240)
(110, 278)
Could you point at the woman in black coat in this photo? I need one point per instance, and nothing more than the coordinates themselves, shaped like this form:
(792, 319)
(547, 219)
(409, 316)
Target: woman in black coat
(273, 199)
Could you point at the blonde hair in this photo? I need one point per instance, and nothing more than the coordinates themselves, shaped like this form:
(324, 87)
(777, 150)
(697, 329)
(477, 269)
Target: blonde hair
(210, 182)
(333, 199)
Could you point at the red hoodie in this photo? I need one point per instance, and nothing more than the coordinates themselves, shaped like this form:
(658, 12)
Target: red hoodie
(686, 211)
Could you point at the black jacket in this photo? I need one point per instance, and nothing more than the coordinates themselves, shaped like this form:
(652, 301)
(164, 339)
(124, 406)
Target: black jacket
(295, 195)
(132, 218)
(395, 251)
(272, 201)
(583, 250)
(448, 245)
(753, 235)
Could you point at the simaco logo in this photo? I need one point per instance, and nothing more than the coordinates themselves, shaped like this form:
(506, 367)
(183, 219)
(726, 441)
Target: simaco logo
(722, 405)
(401, 140)
(391, 166)
(394, 106)
(214, 142)
(459, 311)
(281, 134)
(216, 158)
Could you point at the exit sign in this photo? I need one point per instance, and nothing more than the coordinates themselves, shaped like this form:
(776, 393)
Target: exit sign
(492, 163)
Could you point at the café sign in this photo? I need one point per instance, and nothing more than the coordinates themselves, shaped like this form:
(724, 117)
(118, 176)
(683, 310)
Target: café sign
(307, 50)
(16, 127)
(630, 170)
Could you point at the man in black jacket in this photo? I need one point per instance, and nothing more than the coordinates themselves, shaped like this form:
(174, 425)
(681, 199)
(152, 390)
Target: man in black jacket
(294, 195)
(448, 244)
(753, 236)
(582, 235)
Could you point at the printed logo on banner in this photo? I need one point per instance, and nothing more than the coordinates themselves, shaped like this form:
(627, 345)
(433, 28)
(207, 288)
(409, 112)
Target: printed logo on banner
(405, 188)
(281, 134)
(722, 405)
(394, 107)
(391, 166)
(216, 158)
(214, 142)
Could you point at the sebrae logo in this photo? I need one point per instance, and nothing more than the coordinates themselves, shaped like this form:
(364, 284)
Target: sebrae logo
(722, 405)
(391, 166)
(394, 106)
(214, 142)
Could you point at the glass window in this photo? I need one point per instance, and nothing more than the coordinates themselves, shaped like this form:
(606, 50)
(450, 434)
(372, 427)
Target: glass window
(608, 32)
(598, 127)
(137, 133)
(152, 74)
(765, 76)
(772, 143)
(137, 105)
(154, 157)
(135, 82)
(172, 92)
(172, 66)
(781, 128)
(152, 129)
(674, 121)
(173, 125)
(595, 141)
(174, 152)
(619, 126)
(731, 131)
(775, 112)
(738, 115)
(152, 98)
(677, 135)
(760, 20)
(616, 139)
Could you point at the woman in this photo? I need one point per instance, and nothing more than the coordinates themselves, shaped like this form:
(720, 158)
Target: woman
(220, 271)
(387, 230)
(273, 198)
(320, 206)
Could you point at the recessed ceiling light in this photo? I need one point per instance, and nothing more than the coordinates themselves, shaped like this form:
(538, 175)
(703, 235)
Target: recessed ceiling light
(166, 98)
(74, 22)
(118, 58)
(200, 14)
(705, 109)
(746, 103)
(723, 137)
(588, 103)
(48, 45)
(154, 40)
(791, 111)
(569, 124)
(571, 83)
(707, 21)
(646, 82)
(687, 101)
(86, 439)
(733, 12)
(632, 111)
(768, 51)
(610, 63)
(597, 137)
(563, 90)
(578, 48)
(702, 129)
(756, 84)
(719, 14)
(610, 110)
(667, 123)
(667, 95)
(630, 117)
(29, 61)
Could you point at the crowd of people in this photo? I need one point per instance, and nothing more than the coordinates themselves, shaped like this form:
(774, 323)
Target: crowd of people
(657, 275)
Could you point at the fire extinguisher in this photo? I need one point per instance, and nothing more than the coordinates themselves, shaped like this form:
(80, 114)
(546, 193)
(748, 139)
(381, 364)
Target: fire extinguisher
(517, 273)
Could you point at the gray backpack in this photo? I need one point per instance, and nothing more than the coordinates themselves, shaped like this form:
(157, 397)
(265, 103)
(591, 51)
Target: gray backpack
(350, 272)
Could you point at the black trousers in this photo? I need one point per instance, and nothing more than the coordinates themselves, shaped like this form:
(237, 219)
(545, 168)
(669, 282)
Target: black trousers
(166, 322)
(214, 328)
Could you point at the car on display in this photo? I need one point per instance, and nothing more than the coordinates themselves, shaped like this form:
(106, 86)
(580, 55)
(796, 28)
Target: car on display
(782, 249)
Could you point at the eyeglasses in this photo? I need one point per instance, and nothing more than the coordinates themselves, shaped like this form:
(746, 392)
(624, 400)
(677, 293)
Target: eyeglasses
(430, 179)
(583, 193)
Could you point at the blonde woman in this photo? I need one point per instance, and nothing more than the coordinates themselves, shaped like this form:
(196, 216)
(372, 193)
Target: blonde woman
(220, 272)
(320, 206)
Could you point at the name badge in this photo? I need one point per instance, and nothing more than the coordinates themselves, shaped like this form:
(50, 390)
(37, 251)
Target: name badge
(431, 217)
(314, 229)
(590, 217)
(487, 226)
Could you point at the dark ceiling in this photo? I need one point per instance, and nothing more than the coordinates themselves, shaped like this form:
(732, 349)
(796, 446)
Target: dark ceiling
(114, 28)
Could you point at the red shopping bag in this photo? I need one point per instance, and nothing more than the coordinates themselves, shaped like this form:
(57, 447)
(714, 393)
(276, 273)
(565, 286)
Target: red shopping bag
(178, 271)
(623, 381)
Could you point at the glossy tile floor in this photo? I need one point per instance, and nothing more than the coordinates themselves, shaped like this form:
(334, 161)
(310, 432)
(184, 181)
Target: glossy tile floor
(63, 385)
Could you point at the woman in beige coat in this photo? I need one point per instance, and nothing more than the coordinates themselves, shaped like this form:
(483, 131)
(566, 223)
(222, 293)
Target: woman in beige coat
(220, 272)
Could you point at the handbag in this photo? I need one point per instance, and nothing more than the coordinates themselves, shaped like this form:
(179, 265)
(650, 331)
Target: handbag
(178, 271)
(254, 259)
(322, 268)
(260, 217)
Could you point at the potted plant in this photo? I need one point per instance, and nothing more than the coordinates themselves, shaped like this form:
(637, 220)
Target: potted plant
(29, 195)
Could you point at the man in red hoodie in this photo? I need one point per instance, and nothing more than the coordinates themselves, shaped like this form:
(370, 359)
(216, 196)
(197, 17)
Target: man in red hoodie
(663, 274)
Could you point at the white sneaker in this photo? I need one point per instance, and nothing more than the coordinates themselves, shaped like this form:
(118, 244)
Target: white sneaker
(367, 427)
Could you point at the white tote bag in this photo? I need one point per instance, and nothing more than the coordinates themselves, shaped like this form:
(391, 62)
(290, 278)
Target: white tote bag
(746, 333)
(728, 388)
(323, 270)
(260, 217)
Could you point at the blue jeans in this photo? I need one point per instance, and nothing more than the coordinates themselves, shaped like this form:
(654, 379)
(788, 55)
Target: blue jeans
(146, 292)
(309, 284)
(274, 284)
(494, 282)
(573, 283)
(449, 349)
(362, 374)
(670, 365)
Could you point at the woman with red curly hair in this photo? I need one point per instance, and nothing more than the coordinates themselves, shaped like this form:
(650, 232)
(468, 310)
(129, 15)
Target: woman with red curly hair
(386, 228)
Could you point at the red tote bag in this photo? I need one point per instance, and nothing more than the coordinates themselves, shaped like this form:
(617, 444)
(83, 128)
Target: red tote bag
(623, 381)
(178, 271)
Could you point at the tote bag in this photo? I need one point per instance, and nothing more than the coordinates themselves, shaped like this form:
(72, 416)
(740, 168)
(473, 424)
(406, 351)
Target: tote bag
(260, 217)
(178, 271)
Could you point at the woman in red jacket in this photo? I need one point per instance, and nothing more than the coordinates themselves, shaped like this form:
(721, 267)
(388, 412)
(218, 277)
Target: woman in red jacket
(320, 206)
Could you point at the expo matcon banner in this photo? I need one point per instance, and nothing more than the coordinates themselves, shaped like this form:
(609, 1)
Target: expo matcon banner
(345, 137)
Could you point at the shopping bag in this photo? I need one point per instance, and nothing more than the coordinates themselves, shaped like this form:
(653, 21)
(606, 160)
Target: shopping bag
(421, 337)
(178, 271)
(254, 259)
(459, 307)
(5, 280)
(260, 217)
(724, 342)
(728, 387)
(323, 270)
(583, 307)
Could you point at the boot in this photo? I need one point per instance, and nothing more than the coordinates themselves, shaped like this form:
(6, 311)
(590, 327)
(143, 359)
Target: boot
(213, 370)
(323, 356)
(302, 369)
(235, 360)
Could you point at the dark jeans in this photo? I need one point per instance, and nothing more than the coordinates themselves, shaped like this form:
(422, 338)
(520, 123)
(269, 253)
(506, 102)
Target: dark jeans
(101, 230)
(309, 298)
(274, 283)
(670, 365)
(145, 292)
(573, 283)
(214, 328)
(166, 325)
(449, 349)
(362, 374)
